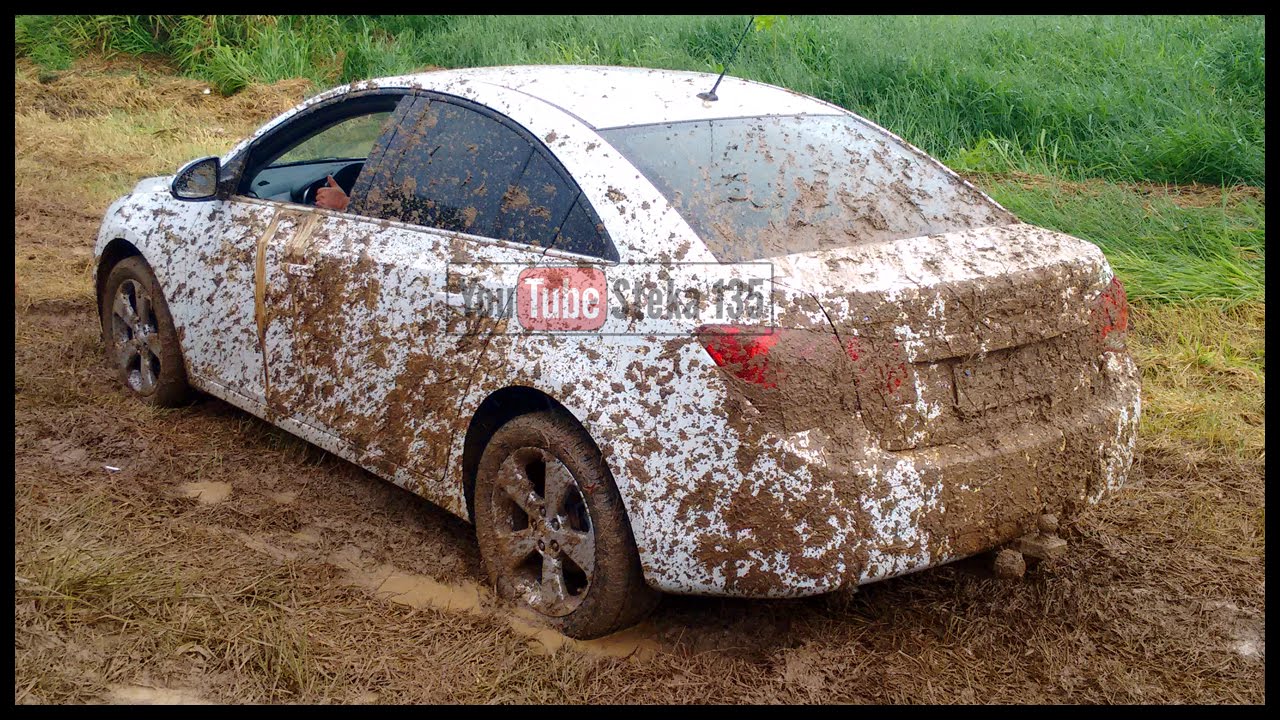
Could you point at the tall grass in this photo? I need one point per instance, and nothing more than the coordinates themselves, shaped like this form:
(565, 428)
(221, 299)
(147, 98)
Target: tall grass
(1211, 252)
(1166, 99)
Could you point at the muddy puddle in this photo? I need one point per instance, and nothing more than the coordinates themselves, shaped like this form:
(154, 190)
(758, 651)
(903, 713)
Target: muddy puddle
(284, 498)
(143, 695)
(1243, 630)
(421, 592)
(206, 493)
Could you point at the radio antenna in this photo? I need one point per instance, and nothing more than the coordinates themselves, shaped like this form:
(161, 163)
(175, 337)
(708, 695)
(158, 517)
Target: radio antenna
(710, 96)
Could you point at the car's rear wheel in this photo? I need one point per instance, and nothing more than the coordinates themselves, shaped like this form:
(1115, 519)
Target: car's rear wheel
(552, 529)
(139, 336)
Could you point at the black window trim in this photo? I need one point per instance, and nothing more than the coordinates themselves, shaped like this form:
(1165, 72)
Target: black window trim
(234, 170)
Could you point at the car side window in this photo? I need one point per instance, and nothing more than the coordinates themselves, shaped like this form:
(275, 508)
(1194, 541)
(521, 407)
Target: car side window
(535, 205)
(350, 139)
(454, 168)
(583, 233)
(461, 169)
(336, 138)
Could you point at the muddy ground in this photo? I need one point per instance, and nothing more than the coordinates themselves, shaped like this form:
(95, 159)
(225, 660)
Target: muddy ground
(201, 555)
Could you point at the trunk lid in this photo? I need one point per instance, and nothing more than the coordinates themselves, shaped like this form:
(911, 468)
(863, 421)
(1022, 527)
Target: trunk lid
(960, 334)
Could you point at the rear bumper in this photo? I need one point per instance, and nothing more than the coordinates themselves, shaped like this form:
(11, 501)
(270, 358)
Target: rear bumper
(840, 513)
(977, 496)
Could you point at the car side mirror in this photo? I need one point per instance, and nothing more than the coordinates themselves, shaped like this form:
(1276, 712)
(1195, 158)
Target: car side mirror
(197, 180)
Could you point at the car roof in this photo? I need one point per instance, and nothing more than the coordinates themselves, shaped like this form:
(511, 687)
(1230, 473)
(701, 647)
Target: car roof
(606, 97)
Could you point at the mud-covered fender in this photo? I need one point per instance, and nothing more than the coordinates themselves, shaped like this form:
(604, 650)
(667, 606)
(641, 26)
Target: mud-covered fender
(620, 389)
(205, 273)
(131, 219)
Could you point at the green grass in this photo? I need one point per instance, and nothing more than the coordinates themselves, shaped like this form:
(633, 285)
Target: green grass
(1204, 379)
(1162, 251)
(1155, 100)
(1163, 99)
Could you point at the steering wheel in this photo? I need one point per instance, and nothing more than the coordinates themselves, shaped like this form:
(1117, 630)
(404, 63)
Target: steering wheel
(346, 179)
(309, 193)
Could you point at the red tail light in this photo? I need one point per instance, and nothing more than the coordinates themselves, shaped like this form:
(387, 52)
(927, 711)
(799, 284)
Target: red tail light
(742, 351)
(1111, 315)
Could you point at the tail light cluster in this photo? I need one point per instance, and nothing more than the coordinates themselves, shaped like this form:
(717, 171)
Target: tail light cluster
(742, 351)
(767, 356)
(1111, 316)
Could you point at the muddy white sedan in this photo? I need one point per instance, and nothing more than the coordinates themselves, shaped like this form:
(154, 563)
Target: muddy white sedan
(645, 340)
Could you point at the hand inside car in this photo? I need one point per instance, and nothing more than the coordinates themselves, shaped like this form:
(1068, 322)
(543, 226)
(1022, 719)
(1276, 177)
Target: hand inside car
(332, 197)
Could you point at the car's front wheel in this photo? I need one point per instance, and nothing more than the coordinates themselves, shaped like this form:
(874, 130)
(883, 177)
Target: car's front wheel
(139, 335)
(552, 529)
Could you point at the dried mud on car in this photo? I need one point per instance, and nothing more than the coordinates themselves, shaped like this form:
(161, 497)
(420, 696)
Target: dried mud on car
(201, 555)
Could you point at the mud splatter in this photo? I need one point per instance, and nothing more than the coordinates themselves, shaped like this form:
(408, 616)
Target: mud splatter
(206, 493)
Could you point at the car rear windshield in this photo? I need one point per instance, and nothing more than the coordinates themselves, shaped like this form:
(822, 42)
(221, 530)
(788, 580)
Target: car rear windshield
(761, 187)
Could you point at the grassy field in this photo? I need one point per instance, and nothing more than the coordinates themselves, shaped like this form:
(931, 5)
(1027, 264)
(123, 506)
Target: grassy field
(228, 561)
(1158, 99)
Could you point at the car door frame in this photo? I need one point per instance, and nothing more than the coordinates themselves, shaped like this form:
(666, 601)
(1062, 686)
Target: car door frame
(281, 136)
(264, 214)
(285, 344)
(286, 212)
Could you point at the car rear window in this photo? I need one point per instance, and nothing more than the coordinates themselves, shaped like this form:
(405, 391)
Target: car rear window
(762, 187)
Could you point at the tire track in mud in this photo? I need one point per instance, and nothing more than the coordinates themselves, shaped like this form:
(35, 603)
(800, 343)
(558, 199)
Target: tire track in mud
(390, 583)
(309, 546)
(423, 592)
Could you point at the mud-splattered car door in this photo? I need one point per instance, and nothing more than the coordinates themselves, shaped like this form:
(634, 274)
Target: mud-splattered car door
(368, 344)
(222, 247)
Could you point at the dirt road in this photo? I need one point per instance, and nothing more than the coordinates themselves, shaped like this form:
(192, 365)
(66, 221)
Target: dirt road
(201, 555)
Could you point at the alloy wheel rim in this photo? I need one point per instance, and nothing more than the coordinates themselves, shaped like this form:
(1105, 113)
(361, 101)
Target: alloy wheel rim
(544, 529)
(135, 332)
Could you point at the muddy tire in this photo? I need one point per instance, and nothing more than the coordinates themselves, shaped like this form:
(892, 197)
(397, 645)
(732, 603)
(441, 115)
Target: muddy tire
(552, 529)
(139, 337)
